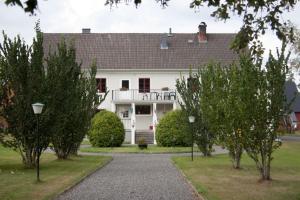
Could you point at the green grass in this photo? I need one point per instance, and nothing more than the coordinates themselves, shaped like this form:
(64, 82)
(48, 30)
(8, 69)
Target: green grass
(215, 179)
(17, 182)
(135, 149)
(296, 133)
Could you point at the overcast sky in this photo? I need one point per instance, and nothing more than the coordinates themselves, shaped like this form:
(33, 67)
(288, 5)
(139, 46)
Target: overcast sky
(72, 15)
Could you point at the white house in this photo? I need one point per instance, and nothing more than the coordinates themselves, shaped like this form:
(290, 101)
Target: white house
(140, 70)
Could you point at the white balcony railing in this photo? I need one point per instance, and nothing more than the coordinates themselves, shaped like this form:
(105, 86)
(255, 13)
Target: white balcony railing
(149, 95)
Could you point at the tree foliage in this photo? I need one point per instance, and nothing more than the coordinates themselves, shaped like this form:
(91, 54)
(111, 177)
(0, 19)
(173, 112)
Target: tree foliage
(223, 107)
(71, 96)
(68, 93)
(22, 80)
(28, 6)
(263, 94)
(244, 104)
(295, 47)
(190, 93)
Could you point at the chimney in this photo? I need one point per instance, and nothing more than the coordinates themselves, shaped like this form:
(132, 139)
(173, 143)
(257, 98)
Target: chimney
(202, 37)
(170, 33)
(86, 30)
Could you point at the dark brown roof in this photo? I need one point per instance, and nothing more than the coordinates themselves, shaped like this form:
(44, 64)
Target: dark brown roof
(292, 95)
(142, 50)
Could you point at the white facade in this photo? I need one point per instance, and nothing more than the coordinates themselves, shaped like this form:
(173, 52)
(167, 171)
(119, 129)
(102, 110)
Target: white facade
(140, 111)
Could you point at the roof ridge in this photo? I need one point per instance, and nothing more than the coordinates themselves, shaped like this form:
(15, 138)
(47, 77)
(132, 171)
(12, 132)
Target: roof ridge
(139, 33)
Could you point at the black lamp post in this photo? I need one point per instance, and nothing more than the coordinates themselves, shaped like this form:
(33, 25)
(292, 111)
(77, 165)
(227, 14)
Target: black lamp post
(192, 120)
(37, 109)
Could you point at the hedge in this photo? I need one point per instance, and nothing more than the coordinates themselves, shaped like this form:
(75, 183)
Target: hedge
(107, 130)
(173, 130)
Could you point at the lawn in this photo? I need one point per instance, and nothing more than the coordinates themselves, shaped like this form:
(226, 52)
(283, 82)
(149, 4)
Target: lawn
(216, 180)
(135, 149)
(296, 133)
(16, 182)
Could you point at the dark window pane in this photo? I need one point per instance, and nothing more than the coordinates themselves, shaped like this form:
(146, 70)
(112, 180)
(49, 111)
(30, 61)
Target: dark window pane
(144, 85)
(101, 84)
(143, 109)
(125, 84)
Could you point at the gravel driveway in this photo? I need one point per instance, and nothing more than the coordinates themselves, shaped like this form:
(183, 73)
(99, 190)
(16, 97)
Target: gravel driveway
(134, 176)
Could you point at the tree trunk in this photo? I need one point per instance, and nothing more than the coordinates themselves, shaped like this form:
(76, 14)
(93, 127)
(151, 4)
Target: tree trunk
(62, 154)
(236, 155)
(29, 158)
(265, 170)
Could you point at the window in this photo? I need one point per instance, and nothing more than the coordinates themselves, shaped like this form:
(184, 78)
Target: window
(125, 84)
(144, 84)
(125, 114)
(101, 84)
(143, 109)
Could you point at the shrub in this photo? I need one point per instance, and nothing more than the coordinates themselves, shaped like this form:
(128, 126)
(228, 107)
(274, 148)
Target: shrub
(173, 130)
(107, 130)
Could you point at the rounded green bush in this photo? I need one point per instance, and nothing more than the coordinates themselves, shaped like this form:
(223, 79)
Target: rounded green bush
(173, 130)
(107, 130)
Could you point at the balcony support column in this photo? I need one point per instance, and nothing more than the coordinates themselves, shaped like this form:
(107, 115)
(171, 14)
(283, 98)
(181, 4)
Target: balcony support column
(133, 123)
(113, 107)
(154, 121)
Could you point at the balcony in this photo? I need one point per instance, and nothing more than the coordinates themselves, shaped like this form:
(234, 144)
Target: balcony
(155, 95)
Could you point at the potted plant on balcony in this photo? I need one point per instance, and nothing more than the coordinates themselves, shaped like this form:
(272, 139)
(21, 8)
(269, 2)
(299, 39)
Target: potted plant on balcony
(142, 143)
(123, 89)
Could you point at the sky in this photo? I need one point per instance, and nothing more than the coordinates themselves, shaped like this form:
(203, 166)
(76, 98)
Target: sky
(70, 16)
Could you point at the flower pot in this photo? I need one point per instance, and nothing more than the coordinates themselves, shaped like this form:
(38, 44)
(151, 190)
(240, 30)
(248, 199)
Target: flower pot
(143, 146)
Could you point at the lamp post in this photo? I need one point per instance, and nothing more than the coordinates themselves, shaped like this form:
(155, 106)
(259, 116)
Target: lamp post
(192, 120)
(37, 109)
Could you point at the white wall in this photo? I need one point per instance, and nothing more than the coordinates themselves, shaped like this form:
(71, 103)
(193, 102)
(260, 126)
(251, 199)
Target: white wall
(158, 80)
(162, 109)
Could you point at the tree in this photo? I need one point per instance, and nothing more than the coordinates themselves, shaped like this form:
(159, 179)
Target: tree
(71, 99)
(22, 80)
(29, 5)
(222, 107)
(190, 93)
(263, 95)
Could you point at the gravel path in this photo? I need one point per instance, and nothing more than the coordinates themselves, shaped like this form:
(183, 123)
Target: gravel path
(132, 177)
(290, 138)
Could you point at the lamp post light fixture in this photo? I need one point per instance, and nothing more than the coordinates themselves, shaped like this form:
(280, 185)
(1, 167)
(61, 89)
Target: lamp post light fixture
(37, 110)
(192, 120)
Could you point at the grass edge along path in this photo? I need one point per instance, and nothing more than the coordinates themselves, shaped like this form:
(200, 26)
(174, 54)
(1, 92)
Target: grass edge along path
(152, 149)
(17, 182)
(215, 179)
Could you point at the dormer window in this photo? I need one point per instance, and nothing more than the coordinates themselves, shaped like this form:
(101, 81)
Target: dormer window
(164, 42)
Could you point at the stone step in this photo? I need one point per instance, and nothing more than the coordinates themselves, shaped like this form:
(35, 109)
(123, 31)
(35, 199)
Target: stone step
(148, 136)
